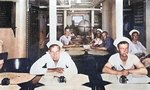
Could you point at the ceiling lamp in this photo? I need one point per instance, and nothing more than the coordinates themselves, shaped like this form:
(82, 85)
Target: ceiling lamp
(78, 1)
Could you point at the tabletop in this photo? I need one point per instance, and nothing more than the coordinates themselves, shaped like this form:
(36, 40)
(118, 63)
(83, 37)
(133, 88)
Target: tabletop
(16, 78)
(73, 82)
(135, 82)
(80, 50)
(132, 79)
(9, 87)
(127, 87)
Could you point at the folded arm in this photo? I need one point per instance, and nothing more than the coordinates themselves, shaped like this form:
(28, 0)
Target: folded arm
(141, 70)
(58, 70)
(108, 69)
(99, 48)
(71, 44)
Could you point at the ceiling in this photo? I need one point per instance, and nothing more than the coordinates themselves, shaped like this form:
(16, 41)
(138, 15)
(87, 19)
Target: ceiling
(78, 3)
(63, 4)
(72, 6)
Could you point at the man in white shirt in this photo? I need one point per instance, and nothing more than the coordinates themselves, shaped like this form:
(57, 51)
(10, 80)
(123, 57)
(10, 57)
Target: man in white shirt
(123, 62)
(54, 61)
(66, 38)
(136, 47)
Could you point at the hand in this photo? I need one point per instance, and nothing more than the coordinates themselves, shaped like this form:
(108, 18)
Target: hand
(125, 72)
(93, 47)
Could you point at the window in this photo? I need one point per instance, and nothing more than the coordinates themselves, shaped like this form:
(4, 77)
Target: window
(77, 19)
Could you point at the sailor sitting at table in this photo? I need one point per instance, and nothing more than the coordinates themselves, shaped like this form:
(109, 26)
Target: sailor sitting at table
(96, 38)
(136, 47)
(66, 38)
(124, 63)
(54, 61)
(107, 44)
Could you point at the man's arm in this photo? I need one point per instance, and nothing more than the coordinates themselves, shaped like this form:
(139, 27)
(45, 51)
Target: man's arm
(58, 70)
(108, 69)
(67, 46)
(101, 48)
(71, 44)
(141, 70)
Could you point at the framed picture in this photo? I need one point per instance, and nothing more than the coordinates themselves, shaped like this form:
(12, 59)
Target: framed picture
(96, 18)
(59, 19)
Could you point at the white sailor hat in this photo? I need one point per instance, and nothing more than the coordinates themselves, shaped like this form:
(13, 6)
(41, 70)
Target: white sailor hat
(134, 30)
(54, 42)
(120, 39)
(100, 30)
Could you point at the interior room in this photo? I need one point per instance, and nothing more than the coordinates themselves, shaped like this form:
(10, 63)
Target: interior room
(26, 26)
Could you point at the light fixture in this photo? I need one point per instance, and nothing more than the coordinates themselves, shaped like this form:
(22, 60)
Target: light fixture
(78, 1)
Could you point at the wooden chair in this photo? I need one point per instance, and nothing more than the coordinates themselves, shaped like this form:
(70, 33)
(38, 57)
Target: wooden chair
(4, 55)
(20, 65)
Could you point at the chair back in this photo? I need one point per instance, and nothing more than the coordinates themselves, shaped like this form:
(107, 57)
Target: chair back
(20, 65)
(4, 55)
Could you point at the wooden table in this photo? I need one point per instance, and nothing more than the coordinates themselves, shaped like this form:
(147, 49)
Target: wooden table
(127, 87)
(9, 87)
(16, 78)
(135, 82)
(132, 79)
(73, 82)
(79, 50)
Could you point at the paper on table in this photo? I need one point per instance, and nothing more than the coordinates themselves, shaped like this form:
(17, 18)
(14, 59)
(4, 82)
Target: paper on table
(110, 78)
(138, 79)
